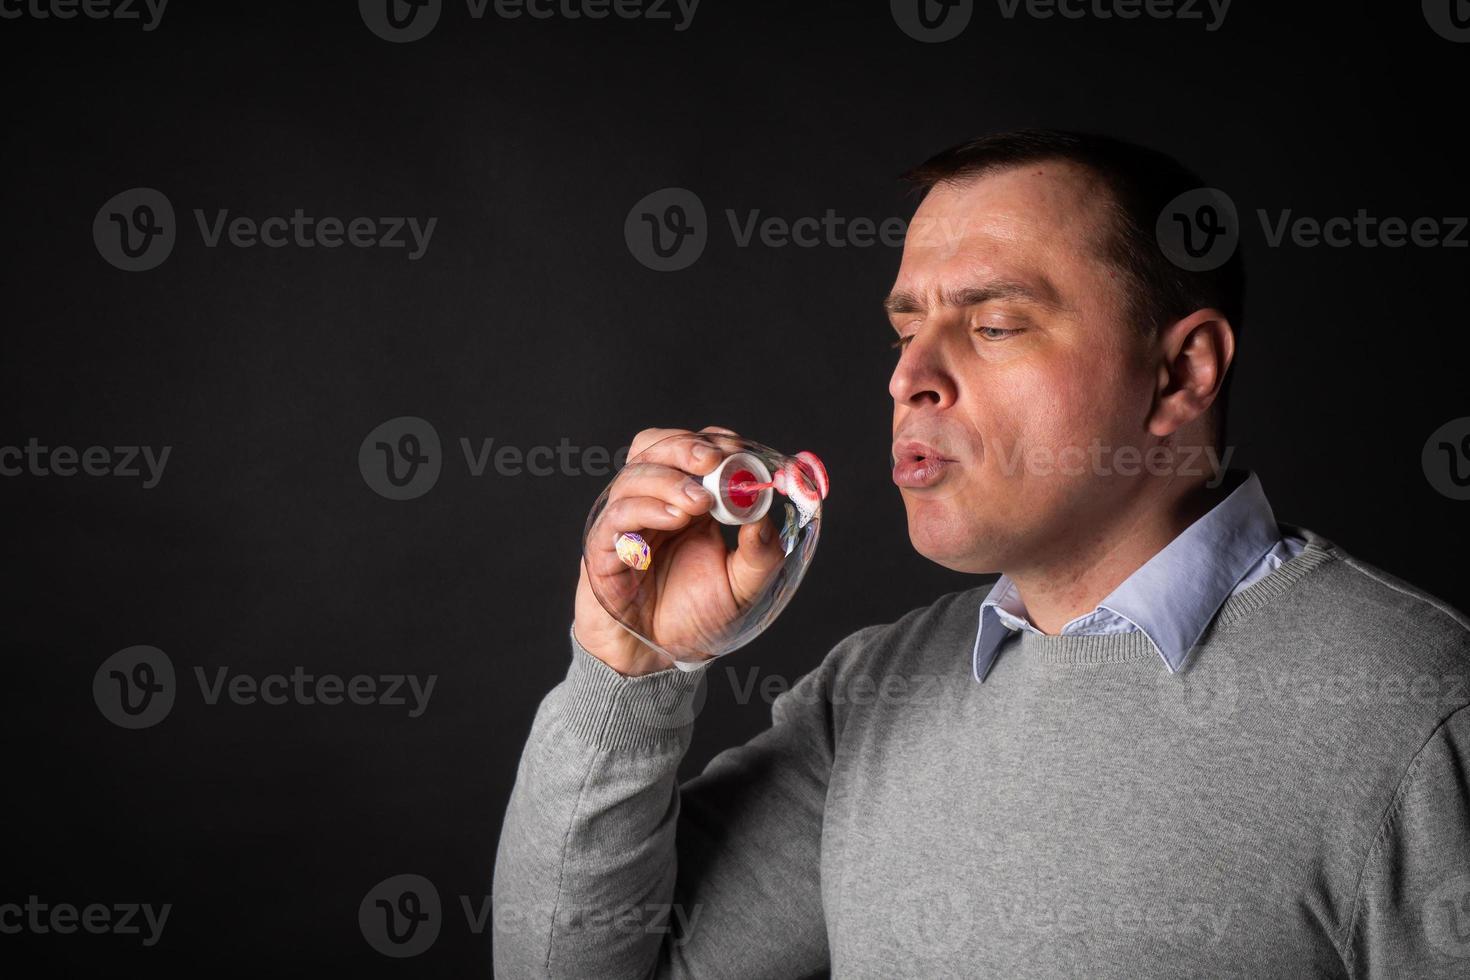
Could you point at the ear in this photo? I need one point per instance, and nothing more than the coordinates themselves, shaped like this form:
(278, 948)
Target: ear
(1195, 353)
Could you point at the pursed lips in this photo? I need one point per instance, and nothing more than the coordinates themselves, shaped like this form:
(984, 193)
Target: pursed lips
(917, 465)
(917, 451)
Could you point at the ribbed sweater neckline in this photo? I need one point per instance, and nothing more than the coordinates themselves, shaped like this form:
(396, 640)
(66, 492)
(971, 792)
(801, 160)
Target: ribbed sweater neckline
(1105, 648)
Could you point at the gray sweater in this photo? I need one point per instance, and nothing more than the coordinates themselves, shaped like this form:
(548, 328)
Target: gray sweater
(1294, 803)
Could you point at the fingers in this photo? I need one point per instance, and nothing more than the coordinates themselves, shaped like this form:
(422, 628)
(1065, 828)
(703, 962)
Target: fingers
(672, 486)
(645, 497)
(648, 437)
(753, 562)
(681, 448)
(635, 514)
(642, 514)
(658, 490)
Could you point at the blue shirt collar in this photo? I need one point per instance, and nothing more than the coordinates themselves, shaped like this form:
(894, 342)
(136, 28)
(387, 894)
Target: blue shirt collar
(1173, 597)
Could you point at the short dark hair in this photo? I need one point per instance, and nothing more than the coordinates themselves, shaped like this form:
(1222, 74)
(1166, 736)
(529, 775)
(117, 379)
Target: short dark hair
(1142, 183)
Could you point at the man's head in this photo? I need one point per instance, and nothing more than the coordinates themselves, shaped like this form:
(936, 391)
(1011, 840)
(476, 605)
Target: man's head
(1050, 349)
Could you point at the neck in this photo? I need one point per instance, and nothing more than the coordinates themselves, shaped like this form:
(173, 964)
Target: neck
(1097, 561)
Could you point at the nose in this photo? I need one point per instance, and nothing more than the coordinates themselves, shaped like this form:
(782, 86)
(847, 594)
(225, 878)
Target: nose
(921, 378)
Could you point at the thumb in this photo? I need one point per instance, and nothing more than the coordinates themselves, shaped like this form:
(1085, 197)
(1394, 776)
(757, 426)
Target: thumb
(754, 562)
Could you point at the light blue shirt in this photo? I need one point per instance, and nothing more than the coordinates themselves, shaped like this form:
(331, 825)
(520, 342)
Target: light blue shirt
(1176, 593)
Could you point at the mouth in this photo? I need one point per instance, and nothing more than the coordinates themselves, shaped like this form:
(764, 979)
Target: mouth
(916, 465)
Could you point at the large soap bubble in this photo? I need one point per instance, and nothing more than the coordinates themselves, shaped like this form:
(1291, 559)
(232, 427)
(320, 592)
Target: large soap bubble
(690, 593)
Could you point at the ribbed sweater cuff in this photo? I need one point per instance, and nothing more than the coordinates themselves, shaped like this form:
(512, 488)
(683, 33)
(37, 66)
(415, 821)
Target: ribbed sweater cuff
(611, 711)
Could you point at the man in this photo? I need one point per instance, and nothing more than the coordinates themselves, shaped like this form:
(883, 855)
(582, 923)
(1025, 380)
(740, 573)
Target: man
(1174, 739)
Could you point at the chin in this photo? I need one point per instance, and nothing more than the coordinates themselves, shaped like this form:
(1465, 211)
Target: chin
(946, 538)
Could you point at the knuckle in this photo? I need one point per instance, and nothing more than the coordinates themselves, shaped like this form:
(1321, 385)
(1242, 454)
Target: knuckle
(616, 509)
(644, 439)
(631, 475)
(653, 434)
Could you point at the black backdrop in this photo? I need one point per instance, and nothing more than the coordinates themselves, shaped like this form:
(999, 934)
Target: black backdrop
(528, 319)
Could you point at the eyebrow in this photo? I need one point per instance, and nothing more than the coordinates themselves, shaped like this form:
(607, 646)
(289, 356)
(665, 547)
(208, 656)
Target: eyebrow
(1043, 294)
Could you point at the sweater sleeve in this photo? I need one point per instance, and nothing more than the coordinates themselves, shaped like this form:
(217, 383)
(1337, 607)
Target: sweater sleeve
(607, 868)
(1412, 916)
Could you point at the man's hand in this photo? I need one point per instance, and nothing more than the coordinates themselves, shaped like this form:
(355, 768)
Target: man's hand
(696, 586)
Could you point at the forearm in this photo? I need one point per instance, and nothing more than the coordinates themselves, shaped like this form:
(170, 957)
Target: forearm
(584, 876)
(1412, 914)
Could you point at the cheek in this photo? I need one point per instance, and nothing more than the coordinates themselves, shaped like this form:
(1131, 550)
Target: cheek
(1117, 401)
(1066, 401)
(1036, 403)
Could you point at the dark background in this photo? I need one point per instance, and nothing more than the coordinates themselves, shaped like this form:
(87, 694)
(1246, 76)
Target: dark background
(528, 321)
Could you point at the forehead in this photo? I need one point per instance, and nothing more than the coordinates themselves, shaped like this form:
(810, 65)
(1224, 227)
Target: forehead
(1038, 221)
